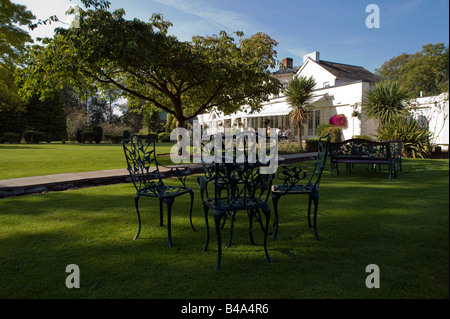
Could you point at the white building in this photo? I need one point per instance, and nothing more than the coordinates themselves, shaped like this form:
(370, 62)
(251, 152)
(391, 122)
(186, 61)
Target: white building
(340, 89)
(433, 113)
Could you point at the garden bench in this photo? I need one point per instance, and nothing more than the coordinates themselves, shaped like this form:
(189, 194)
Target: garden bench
(361, 151)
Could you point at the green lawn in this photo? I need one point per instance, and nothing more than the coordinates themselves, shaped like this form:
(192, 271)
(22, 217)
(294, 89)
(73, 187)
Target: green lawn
(24, 160)
(401, 226)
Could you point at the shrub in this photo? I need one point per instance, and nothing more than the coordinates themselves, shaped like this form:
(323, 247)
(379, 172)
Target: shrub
(416, 140)
(99, 134)
(286, 147)
(164, 137)
(126, 134)
(312, 145)
(321, 127)
(336, 132)
(88, 135)
(78, 136)
(365, 137)
(10, 138)
(35, 137)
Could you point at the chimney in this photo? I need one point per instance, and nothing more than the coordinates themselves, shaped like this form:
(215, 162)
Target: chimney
(288, 63)
(313, 56)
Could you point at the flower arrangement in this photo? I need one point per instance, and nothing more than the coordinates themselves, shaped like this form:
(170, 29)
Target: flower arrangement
(338, 120)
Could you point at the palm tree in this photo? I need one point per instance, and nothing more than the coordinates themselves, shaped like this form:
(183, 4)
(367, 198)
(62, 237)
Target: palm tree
(298, 93)
(384, 101)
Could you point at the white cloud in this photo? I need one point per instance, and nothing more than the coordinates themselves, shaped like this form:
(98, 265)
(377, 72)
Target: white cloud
(220, 18)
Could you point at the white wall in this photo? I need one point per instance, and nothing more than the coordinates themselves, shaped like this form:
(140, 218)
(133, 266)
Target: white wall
(436, 110)
(311, 68)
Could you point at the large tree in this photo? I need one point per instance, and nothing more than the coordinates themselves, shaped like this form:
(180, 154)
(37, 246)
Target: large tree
(12, 44)
(426, 71)
(298, 94)
(146, 63)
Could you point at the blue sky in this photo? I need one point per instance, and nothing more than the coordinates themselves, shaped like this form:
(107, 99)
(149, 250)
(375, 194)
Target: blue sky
(337, 29)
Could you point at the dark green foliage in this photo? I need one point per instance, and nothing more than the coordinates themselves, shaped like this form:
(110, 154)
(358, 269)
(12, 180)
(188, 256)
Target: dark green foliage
(164, 137)
(384, 101)
(78, 136)
(47, 116)
(34, 137)
(88, 135)
(312, 145)
(416, 140)
(126, 134)
(9, 137)
(99, 134)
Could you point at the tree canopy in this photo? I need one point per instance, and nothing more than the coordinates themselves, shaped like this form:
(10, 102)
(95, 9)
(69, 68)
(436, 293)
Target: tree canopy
(147, 64)
(12, 43)
(426, 71)
(12, 38)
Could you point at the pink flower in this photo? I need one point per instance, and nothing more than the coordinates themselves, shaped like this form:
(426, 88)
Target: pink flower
(338, 120)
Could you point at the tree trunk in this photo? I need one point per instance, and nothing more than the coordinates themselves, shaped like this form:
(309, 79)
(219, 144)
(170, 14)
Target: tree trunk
(299, 136)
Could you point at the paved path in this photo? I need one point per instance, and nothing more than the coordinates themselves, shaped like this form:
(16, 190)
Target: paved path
(59, 182)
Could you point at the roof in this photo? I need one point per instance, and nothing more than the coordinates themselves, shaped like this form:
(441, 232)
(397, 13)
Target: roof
(346, 71)
(285, 71)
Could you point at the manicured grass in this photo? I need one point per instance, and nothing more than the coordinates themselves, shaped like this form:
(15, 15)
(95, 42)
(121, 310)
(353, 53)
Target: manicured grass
(24, 160)
(401, 226)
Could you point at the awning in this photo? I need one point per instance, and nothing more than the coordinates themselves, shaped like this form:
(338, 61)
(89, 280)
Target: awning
(276, 107)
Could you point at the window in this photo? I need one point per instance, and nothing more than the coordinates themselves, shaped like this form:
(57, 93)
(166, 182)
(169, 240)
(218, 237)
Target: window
(313, 122)
(326, 84)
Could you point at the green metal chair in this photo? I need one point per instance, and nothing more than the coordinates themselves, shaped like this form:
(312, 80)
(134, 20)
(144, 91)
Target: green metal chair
(231, 185)
(301, 180)
(147, 178)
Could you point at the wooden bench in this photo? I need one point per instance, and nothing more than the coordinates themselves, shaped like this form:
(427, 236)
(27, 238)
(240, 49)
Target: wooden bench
(361, 151)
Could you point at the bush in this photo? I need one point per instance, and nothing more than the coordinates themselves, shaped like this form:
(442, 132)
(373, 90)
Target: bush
(164, 137)
(99, 134)
(78, 136)
(126, 134)
(416, 140)
(286, 147)
(312, 145)
(35, 137)
(88, 135)
(365, 137)
(10, 138)
(322, 127)
(335, 131)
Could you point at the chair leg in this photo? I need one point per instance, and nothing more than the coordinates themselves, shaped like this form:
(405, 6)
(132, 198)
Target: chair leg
(205, 212)
(275, 199)
(169, 203)
(217, 218)
(315, 198)
(161, 223)
(266, 211)
(190, 212)
(136, 203)
(309, 211)
(233, 218)
(251, 215)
